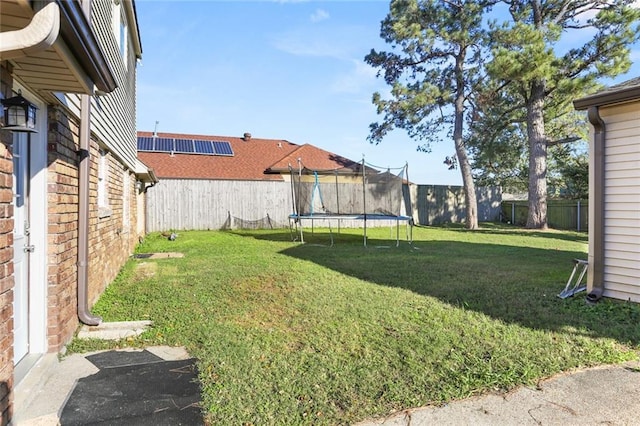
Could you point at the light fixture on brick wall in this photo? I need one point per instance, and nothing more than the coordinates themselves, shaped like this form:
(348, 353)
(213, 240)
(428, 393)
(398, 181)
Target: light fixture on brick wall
(19, 114)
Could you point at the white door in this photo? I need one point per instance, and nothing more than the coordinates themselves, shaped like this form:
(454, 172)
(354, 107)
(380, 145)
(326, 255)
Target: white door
(20, 246)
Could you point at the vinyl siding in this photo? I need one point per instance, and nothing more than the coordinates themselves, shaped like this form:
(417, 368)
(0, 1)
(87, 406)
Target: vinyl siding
(113, 116)
(622, 201)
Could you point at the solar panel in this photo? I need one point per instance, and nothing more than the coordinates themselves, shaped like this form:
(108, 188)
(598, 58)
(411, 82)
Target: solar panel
(164, 145)
(184, 145)
(145, 143)
(222, 148)
(203, 147)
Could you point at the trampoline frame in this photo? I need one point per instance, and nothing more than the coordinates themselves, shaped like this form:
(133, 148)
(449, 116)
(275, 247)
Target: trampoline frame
(296, 224)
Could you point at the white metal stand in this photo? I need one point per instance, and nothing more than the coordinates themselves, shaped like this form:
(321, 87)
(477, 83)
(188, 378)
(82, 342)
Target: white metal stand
(574, 285)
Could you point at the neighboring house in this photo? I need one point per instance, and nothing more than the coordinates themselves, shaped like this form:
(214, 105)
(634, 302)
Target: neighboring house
(614, 191)
(213, 182)
(69, 194)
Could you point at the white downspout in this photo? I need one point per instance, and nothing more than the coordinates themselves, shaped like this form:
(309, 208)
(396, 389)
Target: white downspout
(39, 35)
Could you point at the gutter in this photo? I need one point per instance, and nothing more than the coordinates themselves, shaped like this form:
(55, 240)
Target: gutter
(39, 35)
(596, 282)
(76, 32)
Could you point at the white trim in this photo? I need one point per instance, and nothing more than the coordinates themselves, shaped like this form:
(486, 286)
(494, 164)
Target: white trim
(38, 227)
(39, 233)
(126, 201)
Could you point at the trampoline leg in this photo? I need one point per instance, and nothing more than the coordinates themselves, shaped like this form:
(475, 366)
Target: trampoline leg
(330, 234)
(365, 231)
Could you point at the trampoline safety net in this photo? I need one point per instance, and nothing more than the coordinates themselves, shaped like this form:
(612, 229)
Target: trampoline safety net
(355, 190)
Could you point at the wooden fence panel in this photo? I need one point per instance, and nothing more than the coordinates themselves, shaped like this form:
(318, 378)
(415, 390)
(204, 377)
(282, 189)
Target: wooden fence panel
(174, 204)
(180, 204)
(561, 214)
(439, 204)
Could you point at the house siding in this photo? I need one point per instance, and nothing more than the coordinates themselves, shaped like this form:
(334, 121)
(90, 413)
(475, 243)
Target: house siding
(113, 116)
(622, 201)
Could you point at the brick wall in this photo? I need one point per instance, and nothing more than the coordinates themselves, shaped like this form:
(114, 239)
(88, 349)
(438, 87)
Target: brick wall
(6, 260)
(110, 244)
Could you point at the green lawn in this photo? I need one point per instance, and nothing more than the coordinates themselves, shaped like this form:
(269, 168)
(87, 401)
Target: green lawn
(305, 334)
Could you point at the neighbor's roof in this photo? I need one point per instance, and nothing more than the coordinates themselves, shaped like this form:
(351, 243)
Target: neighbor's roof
(253, 159)
(626, 91)
(315, 158)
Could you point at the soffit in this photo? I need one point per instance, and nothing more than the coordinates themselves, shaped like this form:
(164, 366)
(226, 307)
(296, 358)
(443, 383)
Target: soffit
(50, 70)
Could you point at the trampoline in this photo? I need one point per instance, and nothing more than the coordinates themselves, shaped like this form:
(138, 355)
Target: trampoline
(358, 192)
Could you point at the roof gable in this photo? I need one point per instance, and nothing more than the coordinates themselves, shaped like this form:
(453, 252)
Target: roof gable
(312, 157)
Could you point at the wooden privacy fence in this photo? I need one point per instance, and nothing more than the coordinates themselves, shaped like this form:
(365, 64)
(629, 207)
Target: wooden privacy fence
(439, 204)
(561, 214)
(181, 204)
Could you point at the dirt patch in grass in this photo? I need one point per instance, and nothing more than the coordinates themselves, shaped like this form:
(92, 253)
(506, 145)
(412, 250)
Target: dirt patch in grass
(267, 304)
(145, 270)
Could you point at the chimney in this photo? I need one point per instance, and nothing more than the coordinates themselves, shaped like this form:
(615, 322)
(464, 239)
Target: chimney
(246, 137)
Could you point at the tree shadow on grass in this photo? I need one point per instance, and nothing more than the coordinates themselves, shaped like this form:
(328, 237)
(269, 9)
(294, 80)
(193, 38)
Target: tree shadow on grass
(511, 284)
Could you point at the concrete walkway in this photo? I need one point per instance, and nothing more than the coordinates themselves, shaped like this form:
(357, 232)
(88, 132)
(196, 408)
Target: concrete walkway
(597, 396)
(154, 386)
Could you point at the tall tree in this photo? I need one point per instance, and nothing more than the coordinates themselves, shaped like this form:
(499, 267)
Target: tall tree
(527, 62)
(499, 148)
(432, 68)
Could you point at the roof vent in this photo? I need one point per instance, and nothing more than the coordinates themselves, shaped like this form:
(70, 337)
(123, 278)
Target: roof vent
(246, 137)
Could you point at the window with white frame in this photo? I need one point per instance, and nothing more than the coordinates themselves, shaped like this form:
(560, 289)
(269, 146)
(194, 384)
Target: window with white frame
(124, 41)
(103, 184)
(126, 200)
(120, 30)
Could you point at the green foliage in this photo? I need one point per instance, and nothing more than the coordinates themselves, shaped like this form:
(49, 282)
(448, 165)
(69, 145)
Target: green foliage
(301, 334)
(428, 39)
(569, 177)
(533, 81)
(432, 69)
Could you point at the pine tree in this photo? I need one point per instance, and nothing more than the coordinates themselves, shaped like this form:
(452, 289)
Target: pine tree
(433, 65)
(527, 61)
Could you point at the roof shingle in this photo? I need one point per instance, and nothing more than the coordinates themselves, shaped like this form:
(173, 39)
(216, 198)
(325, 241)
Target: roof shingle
(253, 159)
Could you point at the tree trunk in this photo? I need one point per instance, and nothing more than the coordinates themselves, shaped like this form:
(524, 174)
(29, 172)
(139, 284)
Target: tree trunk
(537, 218)
(471, 204)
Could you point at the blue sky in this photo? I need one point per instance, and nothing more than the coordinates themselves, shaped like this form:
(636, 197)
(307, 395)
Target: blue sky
(288, 69)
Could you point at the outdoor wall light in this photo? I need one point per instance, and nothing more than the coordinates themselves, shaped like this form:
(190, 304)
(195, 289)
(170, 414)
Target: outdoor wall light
(19, 114)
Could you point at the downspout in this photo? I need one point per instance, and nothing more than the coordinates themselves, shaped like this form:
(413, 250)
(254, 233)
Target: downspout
(39, 35)
(84, 314)
(595, 283)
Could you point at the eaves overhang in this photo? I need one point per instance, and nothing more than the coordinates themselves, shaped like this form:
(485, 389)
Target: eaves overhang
(77, 33)
(623, 92)
(74, 63)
